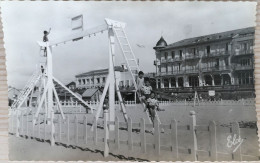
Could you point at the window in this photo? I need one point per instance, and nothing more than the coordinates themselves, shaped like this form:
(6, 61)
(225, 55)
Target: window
(193, 81)
(180, 54)
(226, 46)
(79, 81)
(208, 49)
(104, 79)
(226, 62)
(179, 66)
(173, 54)
(83, 81)
(87, 81)
(98, 80)
(245, 78)
(165, 55)
(245, 62)
(194, 51)
(245, 46)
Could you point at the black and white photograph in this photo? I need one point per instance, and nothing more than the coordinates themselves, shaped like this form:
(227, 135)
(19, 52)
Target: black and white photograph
(131, 81)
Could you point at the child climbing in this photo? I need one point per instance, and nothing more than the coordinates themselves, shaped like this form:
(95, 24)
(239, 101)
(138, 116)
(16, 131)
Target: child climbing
(140, 81)
(146, 90)
(152, 104)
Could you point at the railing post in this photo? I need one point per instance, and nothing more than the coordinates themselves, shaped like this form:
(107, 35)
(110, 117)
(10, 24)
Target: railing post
(174, 133)
(236, 135)
(39, 126)
(193, 132)
(68, 130)
(76, 129)
(27, 130)
(17, 134)
(117, 140)
(85, 129)
(32, 134)
(60, 126)
(52, 129)
(213, 141)
(157, 137)
(21, 128)
(95, 131)
(143, 138)
(130, 138)
(45, 125)
(106, 150)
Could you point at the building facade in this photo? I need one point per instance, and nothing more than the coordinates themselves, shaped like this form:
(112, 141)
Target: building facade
(97, 78)
(213, 61)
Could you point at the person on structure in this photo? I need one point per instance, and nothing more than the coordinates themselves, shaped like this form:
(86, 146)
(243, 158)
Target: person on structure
(45, 39)
(152, 105)
(146, 90)
(42, 69)
(140, 82)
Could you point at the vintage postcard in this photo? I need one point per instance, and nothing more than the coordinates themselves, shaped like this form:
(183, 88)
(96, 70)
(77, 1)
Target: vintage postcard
(131, 81)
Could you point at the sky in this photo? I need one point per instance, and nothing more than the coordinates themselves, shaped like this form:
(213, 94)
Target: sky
(146, 22)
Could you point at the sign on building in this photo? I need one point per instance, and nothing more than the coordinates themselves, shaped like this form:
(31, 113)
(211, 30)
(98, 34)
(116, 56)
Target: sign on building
(211, 92)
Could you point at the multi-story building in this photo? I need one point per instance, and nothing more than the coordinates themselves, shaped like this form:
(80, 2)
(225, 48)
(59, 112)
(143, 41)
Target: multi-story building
(222, 62)
(97, 78)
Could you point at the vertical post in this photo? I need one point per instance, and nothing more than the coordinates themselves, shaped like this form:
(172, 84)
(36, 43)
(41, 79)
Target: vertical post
(45, 125)
(21, 128)
(76, 129)
(52, 129)
(213, 141)
(50, 81)
(143, 138)
(106, 150)
(129, 128)
(174, 138)
(39, 126)
(157, 137)
(60, 126)
(32, 134)
(27, 130)
(12, 115)
(95, 131)
(236, 135)
(17, 134)
(193, 132)
(85, 129)
(68, 130)
(111, 41)
(117, 140)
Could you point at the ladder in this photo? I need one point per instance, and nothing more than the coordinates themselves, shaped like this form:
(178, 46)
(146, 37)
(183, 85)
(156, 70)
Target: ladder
(131, 62)
(26, 90)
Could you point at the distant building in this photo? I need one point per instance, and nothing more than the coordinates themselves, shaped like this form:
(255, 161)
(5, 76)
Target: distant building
(223, 62)
(97, 78)
(91, 94)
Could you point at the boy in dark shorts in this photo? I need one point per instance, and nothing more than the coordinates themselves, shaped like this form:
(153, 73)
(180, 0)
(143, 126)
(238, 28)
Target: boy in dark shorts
(152, 104)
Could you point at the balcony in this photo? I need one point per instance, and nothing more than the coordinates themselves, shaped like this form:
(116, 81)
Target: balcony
(192, 71)
(163, 60)
(244, 52)
(244, 67)
(216, 68)
(192, 57)
(216, 54)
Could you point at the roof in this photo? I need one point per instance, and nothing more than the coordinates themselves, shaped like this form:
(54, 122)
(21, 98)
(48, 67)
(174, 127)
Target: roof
(89, 92)
(212, 37)
(71, 83)
(99, 72)
(161, 43)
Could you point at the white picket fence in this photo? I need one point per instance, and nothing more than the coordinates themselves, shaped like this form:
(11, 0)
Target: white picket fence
(68, 132)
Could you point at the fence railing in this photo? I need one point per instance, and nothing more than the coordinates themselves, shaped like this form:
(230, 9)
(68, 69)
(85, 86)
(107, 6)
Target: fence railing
(67, 131)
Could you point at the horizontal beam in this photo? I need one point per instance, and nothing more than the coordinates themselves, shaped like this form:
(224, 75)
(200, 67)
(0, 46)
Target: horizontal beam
(79, 35)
